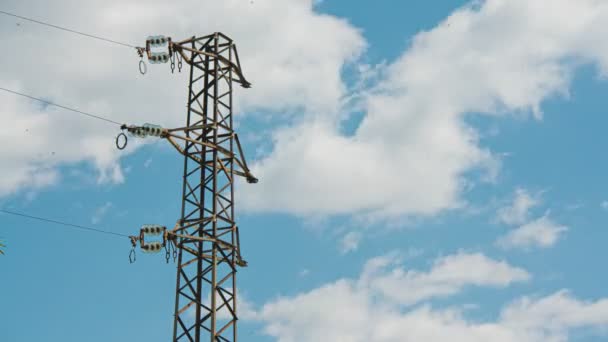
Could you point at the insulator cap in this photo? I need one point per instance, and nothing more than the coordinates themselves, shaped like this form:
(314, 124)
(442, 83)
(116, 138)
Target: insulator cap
(159, 57)
(154, 130)
(153, 247)
(152, 229)
(156, 41)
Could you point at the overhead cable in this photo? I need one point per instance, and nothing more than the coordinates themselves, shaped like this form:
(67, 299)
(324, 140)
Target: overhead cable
(60, 106)
(69, 225)
(68, 30)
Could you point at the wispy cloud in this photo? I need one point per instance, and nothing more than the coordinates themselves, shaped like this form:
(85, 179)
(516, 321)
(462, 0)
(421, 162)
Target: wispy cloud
(527, 233)
(542, 232)
(518, 211)
(350, 242)
(101, 212)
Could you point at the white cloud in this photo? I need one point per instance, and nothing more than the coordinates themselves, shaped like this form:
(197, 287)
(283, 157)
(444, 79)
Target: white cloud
(412, 149)
(101, 212)
(604, 205)
(518, 211)
(351, 311)
(350, 242)
(449, 275)
(274, 41)
(338, 311)
(542, 232)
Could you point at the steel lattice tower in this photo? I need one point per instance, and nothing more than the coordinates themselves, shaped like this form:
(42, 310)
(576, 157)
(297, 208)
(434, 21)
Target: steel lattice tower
(206, 271)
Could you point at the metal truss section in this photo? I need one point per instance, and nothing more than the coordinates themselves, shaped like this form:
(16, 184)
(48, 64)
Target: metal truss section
(206, 237)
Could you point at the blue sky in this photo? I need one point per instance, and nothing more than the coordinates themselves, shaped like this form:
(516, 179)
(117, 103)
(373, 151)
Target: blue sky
(475, 212)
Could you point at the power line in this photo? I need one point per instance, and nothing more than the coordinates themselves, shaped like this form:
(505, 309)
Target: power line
(73, 226)
(60, 106)
(68, 30)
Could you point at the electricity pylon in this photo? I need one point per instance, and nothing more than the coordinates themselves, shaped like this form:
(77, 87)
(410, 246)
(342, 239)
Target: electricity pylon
(205, 240)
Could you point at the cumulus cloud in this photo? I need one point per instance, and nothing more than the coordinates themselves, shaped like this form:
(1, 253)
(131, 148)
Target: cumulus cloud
(46, 139)
(351, 310)
(449, 275)
(274, 41)
(413, 147)
(557, 313)
(542, 232)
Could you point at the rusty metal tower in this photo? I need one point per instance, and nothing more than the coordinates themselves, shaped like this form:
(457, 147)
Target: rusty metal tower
(205, 240)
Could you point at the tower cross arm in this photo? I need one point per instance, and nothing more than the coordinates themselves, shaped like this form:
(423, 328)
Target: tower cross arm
(173, 135)
(239, 158)
(182, 46)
